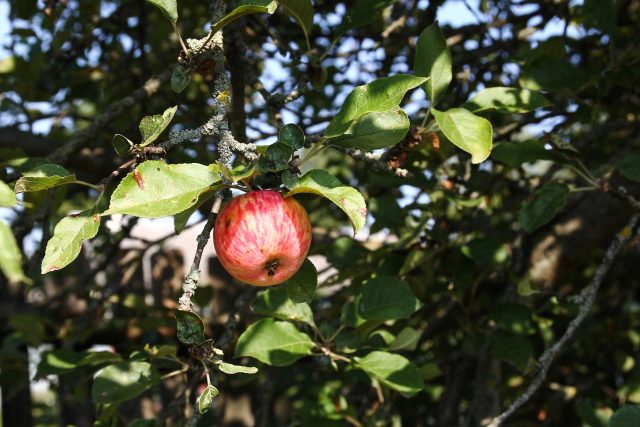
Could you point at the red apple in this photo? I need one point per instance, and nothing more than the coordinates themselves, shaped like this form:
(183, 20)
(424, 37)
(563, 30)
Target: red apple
(261, 238)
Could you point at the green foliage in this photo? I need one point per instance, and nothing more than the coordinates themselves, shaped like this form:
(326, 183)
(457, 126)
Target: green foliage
(466, 273)
(155, 189)
(205, 400)
(379, 96)
(152, 126)
(392, 370)
(232, 369)
(180, 79)
(302, 286)
(121, 144)
(626, 416)
(433, 59)
(467, 131)
(246, 7)
(275, 302)
(346, 198)
(7, 196)
(385, 298)
(302, 11)
(169, 8)
(291, 135)
(123, 381)
(10, 256)
(190, 327)
(274, 343)
(629, 167)
(546, 202)
(66, 242)
(43, 177)
(506, 100)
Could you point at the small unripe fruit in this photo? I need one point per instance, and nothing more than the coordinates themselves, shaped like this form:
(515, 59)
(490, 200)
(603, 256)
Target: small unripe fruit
(262, 238)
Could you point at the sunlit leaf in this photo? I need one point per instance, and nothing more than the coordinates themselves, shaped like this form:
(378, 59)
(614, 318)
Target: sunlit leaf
(433, 59)
(152, 126)
(274, 343)
(10, 256)
(65, 244)
(155, 189)
(43, 177)
(467, 131)
(124, 381)
(392, 370)
(346, 198)
(506, 100)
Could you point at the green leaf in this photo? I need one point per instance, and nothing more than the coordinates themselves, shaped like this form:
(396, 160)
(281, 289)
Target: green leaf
(346, 198)
(169, 8)
(121, 144)
(601, 15)
(407, 339)
(275, 302)
(29, 326)
(392, 370)
(292, 135)
(514, 318)
(386, 298)
(546, 203)
(231, 369)
(467, 131)
(65, 244)
(433, 59)
(58, 362)
(506, 100)
(181, 218)
(205, 400)
(514, 349)
(487, 251)
(515, 154)
(630, 167)
(152, 126)
(42, 177)
(302, 11)
(627, 416)
(276, 158)
(290, 179)
(190, 328)
(362, 13)
(246, 7)
(180, 79)
(156, 189)
(378, 96)
(123, 381)
(375, 130)
(7, 196)
(10, 256)
(552, 73)
(302, 286)
(274, 343)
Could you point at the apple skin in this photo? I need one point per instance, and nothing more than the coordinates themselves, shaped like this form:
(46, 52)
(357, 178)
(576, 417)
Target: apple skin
(262, 238)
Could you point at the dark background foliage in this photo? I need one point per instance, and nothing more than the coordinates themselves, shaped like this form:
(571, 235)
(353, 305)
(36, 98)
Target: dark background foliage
(494, 296)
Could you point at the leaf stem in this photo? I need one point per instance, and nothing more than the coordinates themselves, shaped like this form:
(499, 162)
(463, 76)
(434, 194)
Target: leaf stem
(184, 46)
(315, 150)
(87, 184)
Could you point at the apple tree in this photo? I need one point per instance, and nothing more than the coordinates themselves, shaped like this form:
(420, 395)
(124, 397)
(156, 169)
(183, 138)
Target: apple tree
(425, 213)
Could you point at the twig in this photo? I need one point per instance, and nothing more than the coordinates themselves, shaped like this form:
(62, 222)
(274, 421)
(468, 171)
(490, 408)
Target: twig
(193, 278)
(586, 299)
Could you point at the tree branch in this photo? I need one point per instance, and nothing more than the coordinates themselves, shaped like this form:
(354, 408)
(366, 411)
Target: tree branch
(586, 299)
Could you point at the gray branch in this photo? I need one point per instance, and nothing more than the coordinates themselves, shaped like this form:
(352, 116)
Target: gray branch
(585, 299)
(218, 125)
(85, 135)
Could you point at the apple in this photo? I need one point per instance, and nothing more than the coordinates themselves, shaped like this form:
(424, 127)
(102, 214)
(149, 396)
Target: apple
(262, 238)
